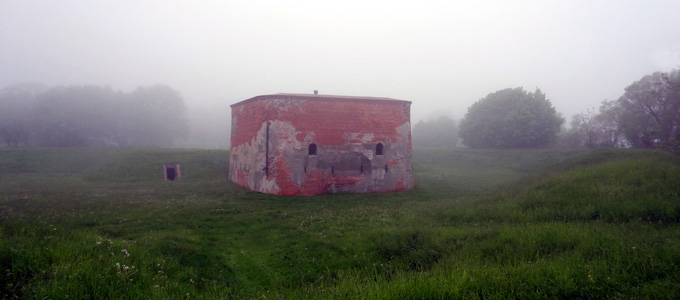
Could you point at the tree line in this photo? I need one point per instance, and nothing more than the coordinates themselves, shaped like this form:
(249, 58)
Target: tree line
(508, 118)
(78, 116)
(647, 115)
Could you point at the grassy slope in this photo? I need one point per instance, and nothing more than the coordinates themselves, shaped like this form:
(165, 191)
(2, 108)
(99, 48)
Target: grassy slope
(481, 224)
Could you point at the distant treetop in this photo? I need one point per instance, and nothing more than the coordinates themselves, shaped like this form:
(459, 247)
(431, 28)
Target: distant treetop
(511, 118)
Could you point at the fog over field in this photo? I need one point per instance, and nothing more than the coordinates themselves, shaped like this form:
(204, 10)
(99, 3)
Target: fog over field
(442, 55)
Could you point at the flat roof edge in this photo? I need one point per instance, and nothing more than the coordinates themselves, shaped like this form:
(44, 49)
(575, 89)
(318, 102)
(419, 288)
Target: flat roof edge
(319, 97)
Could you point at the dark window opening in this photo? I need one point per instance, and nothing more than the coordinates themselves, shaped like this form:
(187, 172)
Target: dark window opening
(362, 169)
(312, 149)
(386, 168)
(170, 172)
(379, 149)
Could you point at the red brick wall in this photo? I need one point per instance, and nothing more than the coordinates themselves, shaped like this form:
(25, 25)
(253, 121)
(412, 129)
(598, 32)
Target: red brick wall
(337, 126)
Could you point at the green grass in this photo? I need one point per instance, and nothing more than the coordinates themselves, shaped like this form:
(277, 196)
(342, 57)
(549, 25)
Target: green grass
(480, 224)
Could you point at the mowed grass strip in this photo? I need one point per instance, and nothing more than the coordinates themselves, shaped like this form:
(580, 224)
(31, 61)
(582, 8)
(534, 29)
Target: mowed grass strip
(480, 224)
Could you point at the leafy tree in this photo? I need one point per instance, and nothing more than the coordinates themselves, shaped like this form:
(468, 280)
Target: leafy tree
(16, 108)
(647, 115)
(651, 111)
(78, 116)
(511, 118)
(596, 130)
(439, 132)
(608, 125)
(75, 116)
(153, 116)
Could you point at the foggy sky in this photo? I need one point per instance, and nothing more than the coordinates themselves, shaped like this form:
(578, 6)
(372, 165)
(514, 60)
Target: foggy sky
(442, 55)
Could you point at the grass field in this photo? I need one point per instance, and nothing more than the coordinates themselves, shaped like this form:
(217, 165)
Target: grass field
(492, 224)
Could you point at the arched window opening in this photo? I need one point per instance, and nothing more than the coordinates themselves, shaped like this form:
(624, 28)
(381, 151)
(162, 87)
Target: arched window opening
(312, 149)
(379, 149)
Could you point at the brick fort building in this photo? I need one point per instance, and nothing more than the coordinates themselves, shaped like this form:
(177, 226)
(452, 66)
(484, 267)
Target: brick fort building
(309, 144)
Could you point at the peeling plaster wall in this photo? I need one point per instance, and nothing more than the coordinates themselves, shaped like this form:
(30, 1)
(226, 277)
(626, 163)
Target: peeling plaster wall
(346, 131)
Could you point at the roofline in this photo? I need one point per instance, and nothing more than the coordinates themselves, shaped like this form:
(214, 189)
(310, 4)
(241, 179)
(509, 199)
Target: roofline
(319, 97)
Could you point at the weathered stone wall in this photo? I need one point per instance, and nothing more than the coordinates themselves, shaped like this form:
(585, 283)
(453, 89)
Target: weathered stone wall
(271, 136)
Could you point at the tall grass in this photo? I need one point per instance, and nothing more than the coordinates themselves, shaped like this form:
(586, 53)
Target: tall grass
(101, 223)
